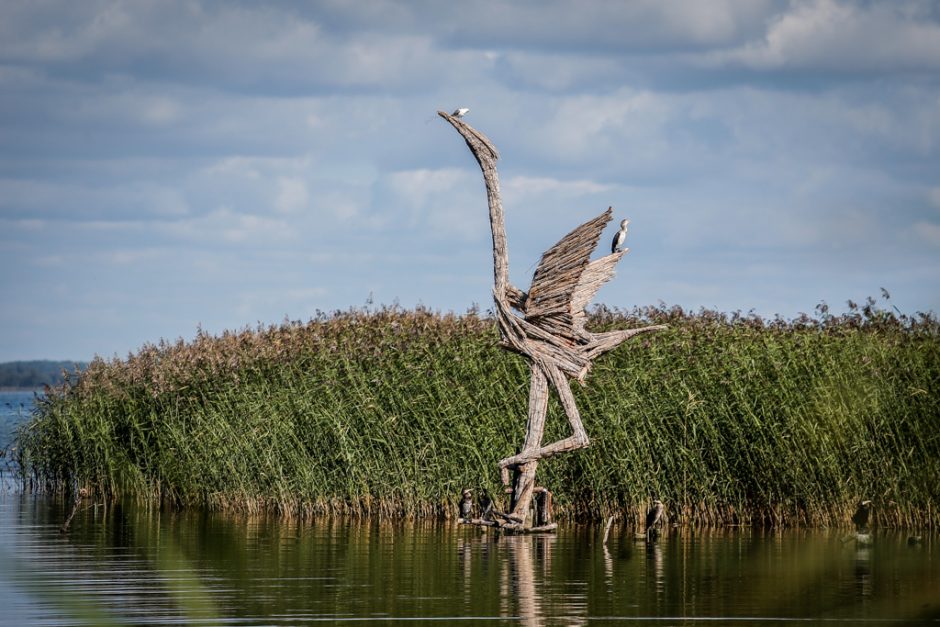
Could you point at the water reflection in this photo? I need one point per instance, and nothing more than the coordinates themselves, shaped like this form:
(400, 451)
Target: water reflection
(134, 565)
(527, 572)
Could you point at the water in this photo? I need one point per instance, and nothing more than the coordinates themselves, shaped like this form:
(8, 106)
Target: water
(15, 408)
(139, 566)
(132, 565)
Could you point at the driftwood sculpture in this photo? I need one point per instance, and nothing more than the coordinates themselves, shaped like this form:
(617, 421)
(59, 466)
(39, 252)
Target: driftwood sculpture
(550, 331)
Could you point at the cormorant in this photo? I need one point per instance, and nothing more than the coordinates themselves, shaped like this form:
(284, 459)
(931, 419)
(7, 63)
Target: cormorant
(653, 516)
(486, 504)
(466, 505)
(619, 237)
(860, 518)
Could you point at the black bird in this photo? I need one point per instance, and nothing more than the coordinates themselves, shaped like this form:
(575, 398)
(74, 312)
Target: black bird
(486, 504)
(466, 505)
(860, 518)
(653, 517)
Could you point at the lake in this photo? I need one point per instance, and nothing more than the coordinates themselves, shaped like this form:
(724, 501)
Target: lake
(132, 565)
(15, 407)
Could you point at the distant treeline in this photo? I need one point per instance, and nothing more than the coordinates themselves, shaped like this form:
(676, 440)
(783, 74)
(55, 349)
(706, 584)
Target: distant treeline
(728, 418)
(35, 374)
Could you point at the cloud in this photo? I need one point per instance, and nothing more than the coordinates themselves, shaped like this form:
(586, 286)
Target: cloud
(225, 225)
(292, 195)
(242, 46)
(832, 35)
(585, 126)
(160, 111)
(89, 200)
(595, 26)
(192, 152)
(444, 201)
(928, 232)
(933, 196)
(520, 187)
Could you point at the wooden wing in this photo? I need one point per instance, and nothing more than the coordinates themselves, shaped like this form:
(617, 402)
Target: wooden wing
(594, 276)
(555, 302)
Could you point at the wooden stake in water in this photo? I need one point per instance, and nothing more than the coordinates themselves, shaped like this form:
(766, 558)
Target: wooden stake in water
(550, 331)
(82, 494)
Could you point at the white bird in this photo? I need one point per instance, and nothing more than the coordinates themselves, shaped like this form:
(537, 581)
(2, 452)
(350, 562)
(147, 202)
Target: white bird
(619, 237)
(459, 113)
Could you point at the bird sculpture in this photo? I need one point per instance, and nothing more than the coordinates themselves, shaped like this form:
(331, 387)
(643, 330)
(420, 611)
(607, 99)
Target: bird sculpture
(653, 516)
(619, 237)
(549, 330)
(466, 504)
(860, 517)
(459, 113)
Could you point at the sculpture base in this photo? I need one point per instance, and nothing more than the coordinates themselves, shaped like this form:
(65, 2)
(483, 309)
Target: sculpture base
(538, 514)
(508, 526)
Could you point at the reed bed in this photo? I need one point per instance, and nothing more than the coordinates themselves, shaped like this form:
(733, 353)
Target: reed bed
(728, 418)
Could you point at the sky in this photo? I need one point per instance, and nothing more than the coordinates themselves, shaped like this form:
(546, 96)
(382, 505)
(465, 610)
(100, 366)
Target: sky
(168, 166)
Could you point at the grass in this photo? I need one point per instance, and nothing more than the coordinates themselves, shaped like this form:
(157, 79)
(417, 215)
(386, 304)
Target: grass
(728, 418)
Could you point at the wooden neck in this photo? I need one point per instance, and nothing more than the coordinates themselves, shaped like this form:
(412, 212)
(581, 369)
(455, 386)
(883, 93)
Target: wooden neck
(486, 155)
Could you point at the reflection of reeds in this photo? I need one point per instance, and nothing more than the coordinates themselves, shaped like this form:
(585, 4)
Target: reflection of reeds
(727, 418)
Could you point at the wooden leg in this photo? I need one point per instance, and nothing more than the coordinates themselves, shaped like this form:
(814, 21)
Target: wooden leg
(524, 475)
(578, 438)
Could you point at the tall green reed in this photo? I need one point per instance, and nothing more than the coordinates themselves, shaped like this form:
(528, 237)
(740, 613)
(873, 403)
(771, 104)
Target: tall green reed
(728, 418)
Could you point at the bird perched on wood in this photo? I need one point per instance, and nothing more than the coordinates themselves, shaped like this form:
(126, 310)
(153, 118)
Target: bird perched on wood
(619, 237)
(466, 505)
(459, 113)
(486, 504)
(860, 517)
(653, 517)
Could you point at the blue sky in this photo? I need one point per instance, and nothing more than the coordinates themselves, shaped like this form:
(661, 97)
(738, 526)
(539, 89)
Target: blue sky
(170, 165)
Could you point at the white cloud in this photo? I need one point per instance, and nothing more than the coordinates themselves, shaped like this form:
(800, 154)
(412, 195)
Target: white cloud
(572, 24)
(557, 71)
(928, 232)
(522, 186)
(298, 141)
(608, 124)
(236, 44)
(126, 256)
(934, 197)
(92, 200)
(843, 36)
(417, 186)
(226, 226)
(160, 111)
(448, 202)
(342, 204)
(292, 195)
(26, 224)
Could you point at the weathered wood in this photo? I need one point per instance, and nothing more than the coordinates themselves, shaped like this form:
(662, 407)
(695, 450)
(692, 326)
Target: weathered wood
(542, 507)
(524, 480)
(79, 497)
(550, 332)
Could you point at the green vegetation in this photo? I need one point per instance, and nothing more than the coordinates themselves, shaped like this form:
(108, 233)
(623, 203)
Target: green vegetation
(727, 418)
(34, 374)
